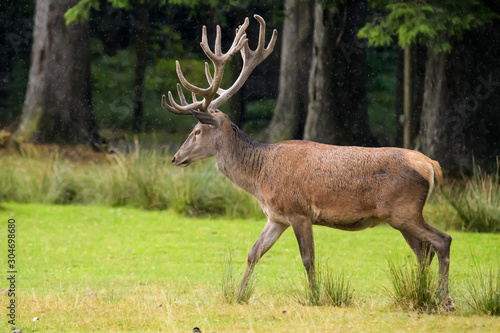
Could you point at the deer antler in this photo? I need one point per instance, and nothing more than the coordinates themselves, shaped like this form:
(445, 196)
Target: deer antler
(250, 60)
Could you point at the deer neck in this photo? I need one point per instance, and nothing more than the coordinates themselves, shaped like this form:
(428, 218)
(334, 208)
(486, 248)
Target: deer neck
(242, 160)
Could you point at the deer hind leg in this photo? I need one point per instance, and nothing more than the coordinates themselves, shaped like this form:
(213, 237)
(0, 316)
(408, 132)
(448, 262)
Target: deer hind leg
(423, 250)
(444, 265)
(419, 232)
(272, 231)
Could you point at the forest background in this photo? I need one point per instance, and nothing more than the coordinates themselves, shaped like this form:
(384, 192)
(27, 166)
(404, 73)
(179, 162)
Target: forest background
(423, 75)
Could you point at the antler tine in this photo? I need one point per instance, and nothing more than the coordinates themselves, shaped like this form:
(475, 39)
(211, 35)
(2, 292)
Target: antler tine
(187, 85)
(253, 58)
(207, 73)
(220, 91)
(181, 95)
(183, 109)
(166, 106)
(250, 60)
(240, 39)
(218, 47)
(262, 31)
(218, 58)
(204, 42)
(262, 36)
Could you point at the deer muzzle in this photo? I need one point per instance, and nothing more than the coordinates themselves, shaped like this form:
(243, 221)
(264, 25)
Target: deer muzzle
(179, 162)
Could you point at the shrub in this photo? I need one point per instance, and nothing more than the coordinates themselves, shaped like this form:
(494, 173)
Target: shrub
(329, 288)
(337, 288)
(478, 205)
(483, 290)
(414, 286)
(229, 284)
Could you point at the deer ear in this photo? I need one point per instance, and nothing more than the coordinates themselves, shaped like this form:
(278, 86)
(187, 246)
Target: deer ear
(206, 118)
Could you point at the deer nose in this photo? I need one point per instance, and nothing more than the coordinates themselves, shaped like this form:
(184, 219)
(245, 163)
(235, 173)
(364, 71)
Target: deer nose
(173, 159)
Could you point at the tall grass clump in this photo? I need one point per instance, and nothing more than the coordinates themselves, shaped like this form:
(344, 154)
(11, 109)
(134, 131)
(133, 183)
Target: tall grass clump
(311, 294)
(415, 286)
(144, 179)
(338, 288)
(229, 284)
(328, 288)
(483, 290)
(478, 205)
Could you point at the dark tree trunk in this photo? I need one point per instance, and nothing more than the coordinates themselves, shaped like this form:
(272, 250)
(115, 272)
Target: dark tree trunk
(461, 111)
(291, 109)
(5, 75)
(337, 110)
(408, 109)
(141, 50)
(435, 104)
(16, 28)
(57, 106)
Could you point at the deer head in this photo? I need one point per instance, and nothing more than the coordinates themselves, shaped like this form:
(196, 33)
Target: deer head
(203, 140)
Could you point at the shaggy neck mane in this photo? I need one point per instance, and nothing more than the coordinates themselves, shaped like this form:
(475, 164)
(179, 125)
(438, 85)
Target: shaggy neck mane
(242, 160)
(239, 135)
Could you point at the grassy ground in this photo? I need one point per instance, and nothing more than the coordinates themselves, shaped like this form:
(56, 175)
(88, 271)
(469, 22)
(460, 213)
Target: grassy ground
(91, 268)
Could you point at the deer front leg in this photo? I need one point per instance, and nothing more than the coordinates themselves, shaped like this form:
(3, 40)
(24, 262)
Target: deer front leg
(272, 231)
(304, 234)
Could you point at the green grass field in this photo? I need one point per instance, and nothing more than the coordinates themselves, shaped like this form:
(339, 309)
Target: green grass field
(96, 268)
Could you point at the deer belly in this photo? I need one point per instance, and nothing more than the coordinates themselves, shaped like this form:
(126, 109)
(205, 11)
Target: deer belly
(351, 225)
(344, 215)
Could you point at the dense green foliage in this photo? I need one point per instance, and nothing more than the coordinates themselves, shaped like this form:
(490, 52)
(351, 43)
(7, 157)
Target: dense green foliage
(81, 11)
(415, 22)
(381, 93)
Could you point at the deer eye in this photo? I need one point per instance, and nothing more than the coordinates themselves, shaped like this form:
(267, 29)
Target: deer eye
(197, 132)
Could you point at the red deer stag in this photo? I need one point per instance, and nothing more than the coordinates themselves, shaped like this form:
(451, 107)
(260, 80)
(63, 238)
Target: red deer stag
(300, 183)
